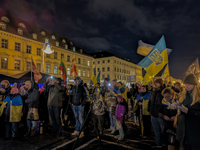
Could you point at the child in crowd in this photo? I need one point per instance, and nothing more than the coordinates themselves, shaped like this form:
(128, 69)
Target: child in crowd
(119, 114)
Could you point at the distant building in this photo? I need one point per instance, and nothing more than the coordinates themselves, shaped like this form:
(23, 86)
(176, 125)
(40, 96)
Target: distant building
(115, 67)
(20, 40)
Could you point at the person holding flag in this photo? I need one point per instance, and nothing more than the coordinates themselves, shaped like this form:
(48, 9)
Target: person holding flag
(73, 67)
(37, 75)
(63, 69)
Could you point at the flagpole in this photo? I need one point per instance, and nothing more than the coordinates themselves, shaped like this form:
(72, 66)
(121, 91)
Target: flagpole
(31, 67)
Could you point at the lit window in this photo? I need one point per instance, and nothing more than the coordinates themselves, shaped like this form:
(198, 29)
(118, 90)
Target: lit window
(88, 63)
(2, 26)
(57, 44)
(74, 49)
(68, 58)
(28, 49)
(66, 46)
(43, 33)
(83, 73)
(88, 73)
(17, 64)
(64, 41)
(4, 43)
(62, 56)
(108, 69)
(38, 66)
(17, 46)
(79, 61)
(47, 68)
(53, 37)
(20, 31)
(35, 36)
(79, 72)
(68, 71)
(28, 66)
(48, 55)
(4, 63)
(81, 51)
(46, 40)
(55, 55)
(39, 51)
(55, 70)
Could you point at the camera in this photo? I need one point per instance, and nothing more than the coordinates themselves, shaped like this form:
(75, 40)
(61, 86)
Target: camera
(2, 86)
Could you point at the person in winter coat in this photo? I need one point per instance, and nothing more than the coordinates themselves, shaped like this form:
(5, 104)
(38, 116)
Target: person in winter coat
(119, 114)
(32, 104)
(188, 120)
(168, 114)
(80, 97)
(98, 108)
(55, 101)
(153, 107)
(13, 109)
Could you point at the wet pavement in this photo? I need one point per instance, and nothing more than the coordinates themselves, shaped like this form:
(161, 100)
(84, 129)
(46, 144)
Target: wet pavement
(48, 141)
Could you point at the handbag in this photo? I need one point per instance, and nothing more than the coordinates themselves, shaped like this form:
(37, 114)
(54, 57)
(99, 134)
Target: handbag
(33, 114)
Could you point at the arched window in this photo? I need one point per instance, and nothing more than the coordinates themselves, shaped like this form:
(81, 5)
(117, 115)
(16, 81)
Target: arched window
(43, 33)
(53, 37)
(64, 41)
(5, 19)
(21, 25)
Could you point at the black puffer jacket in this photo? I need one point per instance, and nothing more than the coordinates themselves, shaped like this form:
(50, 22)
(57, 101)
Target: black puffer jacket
(155, 102)
(33, 96)
(80, 94)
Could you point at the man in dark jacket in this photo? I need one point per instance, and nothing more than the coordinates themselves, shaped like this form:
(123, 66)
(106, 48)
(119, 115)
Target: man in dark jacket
(32, 105)
(80, 97)
(153, 107)
(55, 101)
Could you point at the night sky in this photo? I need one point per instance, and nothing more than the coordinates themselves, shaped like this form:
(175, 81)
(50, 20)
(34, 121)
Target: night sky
(117, 25)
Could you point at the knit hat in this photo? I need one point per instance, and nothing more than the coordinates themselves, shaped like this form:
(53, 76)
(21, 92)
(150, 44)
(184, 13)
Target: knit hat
(190, 79)
(120, 96)
(160, 81)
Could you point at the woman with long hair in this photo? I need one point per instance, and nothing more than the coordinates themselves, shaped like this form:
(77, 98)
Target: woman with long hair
(188, 120)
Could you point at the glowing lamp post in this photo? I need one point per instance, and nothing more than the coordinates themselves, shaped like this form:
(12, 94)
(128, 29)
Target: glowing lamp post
(46, 49)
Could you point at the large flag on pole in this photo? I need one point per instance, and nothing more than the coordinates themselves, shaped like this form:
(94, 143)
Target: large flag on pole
(193, 68)
(94, 79)
(37, 75)
(73, 67)
(166, 72)
(63, 69)
(154, 62)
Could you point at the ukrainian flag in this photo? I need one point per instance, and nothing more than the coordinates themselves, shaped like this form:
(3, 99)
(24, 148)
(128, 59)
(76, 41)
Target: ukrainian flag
(15, 105)
(154, 62)
(94, 79)
(166, 72)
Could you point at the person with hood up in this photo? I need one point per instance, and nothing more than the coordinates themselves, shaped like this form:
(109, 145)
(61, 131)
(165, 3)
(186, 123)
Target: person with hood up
(153, 107)
(80, 97)
(188, 120)
(119, 115)
(55, 101)
(13, 110)
(32, 105)
(6, 90)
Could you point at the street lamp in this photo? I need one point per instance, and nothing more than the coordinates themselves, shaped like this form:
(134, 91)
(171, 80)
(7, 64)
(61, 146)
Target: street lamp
(46, 49)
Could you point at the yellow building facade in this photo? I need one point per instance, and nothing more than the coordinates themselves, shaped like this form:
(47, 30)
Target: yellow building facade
(16, 50)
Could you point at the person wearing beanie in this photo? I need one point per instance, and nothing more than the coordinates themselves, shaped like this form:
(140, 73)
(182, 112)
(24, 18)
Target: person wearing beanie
(188, 120)
(13, 105)
(153, 107)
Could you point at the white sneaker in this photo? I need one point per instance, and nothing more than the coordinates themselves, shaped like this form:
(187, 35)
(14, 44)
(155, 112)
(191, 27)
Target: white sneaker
(81, 135)
(113, 130)
(117, 136)
(121, 138)
(75, 133)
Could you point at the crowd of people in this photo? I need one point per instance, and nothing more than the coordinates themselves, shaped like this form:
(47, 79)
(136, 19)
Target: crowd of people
(171, 110)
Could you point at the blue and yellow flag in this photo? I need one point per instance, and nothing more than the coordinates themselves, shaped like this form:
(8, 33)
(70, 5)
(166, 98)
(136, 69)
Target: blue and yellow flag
(166, 72)
(15, 105)
(98, 77)
(94, 79)
(154, 62)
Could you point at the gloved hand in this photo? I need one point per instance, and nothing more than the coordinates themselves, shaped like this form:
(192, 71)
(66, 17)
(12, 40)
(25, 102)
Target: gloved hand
(118, 118)
(183, 109)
